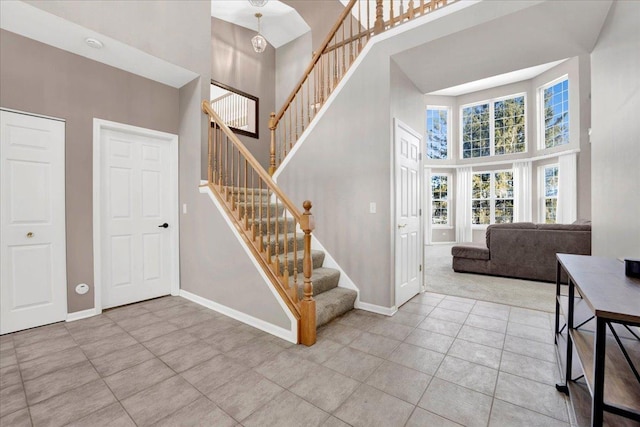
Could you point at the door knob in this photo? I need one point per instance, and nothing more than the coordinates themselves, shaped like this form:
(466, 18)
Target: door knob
(29, 234)
(402, 225)
(165, 225)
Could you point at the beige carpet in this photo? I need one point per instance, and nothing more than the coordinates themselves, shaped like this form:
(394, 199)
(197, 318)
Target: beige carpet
(440, 278)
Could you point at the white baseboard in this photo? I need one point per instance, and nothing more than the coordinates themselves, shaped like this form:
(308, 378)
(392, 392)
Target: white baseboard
(387, 311)
(77, 315)
(285, 334)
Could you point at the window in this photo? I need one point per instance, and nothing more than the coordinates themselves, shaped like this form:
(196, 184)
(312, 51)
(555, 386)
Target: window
(494, 127)
(437, 132)
(549, 194)
(440, 199)
(555, 113)
(492, 198)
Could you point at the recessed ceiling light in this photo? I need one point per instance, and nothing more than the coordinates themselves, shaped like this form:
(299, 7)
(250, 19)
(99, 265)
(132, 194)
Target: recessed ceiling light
(94, 43)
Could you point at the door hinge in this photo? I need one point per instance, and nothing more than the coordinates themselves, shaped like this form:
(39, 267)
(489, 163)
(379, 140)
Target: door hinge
(419, 212)
(420, 267)
(419, 156)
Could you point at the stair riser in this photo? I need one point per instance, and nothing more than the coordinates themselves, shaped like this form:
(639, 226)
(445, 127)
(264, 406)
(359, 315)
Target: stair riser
(327, 310)
(317, 260)
(274, 210)
(271, 227)
(281, 247)
(320, 283)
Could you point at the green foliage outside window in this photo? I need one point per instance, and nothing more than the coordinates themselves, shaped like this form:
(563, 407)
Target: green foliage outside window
(439, 200)
(492, 198)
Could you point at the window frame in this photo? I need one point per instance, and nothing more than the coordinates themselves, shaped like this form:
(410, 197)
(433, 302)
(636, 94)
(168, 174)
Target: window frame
(449, 133)
(540, 109)
(542, 193)
(449, 177)
(492, 125)
(492, 196)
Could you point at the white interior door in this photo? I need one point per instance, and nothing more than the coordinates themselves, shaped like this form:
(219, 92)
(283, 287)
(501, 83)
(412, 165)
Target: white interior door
(32, 216)
(408, 237)
(139, 216)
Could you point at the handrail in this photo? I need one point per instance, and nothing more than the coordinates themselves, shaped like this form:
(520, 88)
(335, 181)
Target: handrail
(266, 218)
(330, 63)
(206, 108)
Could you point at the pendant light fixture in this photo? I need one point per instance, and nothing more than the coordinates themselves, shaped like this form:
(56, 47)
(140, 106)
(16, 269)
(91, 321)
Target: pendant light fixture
(259, 43)
(258, 3)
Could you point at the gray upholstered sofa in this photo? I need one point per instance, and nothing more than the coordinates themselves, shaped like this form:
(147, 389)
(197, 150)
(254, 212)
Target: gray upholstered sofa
(523, 249)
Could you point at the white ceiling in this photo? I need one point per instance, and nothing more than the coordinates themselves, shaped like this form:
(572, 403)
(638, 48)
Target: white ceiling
(280, 23)
(539, 33)
(36, 24)
(499, 80)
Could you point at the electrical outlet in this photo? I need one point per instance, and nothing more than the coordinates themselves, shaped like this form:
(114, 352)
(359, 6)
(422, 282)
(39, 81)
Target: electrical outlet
(372, 207)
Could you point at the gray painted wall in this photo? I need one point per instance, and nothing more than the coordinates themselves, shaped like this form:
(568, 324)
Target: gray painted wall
(38, 78)
(292, 60)
(343, 166)
(180, 32)
(234, 63)
(615, 67)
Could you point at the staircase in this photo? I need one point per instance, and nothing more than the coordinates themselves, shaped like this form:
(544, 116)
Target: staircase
(331, 300)
(275, 231)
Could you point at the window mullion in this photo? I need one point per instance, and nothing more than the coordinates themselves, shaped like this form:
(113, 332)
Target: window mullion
(492, 128)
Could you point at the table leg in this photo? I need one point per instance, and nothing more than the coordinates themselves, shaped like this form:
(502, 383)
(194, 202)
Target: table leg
(597, 405)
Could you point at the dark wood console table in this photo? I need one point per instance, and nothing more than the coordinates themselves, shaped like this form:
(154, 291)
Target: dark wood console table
(601, 297)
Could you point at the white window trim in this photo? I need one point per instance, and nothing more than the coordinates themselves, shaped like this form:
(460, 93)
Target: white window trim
(492, 198)
(492, 125)
(449, 134)
(540, 109)
(541, 191)
(449, 200)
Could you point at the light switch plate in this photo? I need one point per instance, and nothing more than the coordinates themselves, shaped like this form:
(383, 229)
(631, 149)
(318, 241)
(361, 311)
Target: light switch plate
(372, 207)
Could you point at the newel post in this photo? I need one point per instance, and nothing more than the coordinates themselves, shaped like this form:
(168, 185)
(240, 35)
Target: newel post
(378, 27)
(308, 304)
(272, 147)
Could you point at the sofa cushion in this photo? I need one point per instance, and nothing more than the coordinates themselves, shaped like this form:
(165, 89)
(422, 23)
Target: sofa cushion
(513, 225)
(565, 227)
(471, 250)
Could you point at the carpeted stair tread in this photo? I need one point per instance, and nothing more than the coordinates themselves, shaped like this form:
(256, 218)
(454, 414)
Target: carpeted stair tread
(324, 279)
(291, 225)
(333, 303)
(274, 209)
(317, 259)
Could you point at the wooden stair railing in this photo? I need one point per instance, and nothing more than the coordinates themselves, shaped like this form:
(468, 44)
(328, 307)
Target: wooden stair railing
(266, 219)
(357, 23)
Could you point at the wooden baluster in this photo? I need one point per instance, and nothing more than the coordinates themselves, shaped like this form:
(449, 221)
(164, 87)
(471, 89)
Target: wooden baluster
(368, 21)
(308, 101)
(335, 64)
(291, 141)
(411, 11)
(295, 113)
(308, 304)
(360, 26)
(246, 178)
(433, 5)
(391, 16)
(210, 154)
(295, 263)
(421, 7)
(351, 37)
(401, 15)
(260, 235)
(344, 52)
(285, 274)
(276, 242)
(379, 24)
(272, 147)
(268, 225)
(253, 206)
(220, 138)
(226, 165)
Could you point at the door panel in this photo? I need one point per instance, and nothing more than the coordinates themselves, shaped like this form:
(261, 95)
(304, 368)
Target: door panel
(32, 222)
(408, 242)
(137, 253)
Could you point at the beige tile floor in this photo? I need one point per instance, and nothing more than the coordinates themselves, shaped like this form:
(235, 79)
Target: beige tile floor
(439, 361)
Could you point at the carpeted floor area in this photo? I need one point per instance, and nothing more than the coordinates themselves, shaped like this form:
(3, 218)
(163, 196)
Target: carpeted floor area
(440, 278)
